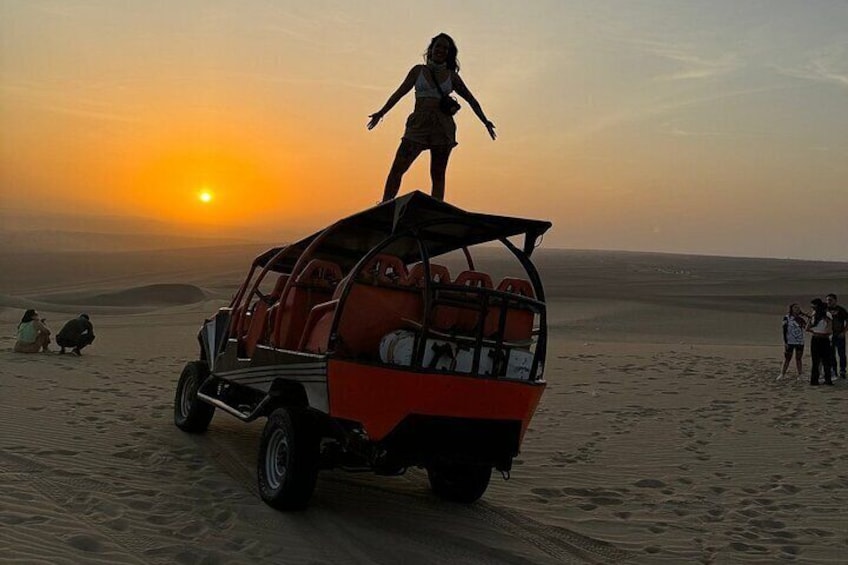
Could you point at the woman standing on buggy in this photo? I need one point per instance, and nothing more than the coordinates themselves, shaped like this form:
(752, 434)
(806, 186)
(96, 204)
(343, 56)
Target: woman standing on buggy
(429, 126)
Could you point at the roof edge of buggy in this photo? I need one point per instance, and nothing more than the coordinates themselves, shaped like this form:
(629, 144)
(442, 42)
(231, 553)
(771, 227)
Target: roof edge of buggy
(441, 227)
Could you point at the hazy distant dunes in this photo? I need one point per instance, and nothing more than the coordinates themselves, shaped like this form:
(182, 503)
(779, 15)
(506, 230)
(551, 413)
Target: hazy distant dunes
(136, 299)
(147, 295)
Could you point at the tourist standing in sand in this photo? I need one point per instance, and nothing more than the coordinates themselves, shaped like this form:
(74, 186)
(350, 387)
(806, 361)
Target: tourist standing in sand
(793, 338)
(33, 334)
(76, 333)
(821, 328)
(429, 126)
(839, 318)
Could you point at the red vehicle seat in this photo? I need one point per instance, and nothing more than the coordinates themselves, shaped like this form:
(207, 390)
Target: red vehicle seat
(519, 321)
(379, 302)
(246, 322)
(474, 279)
(384, 269)
(315, 284)
(258, 325)
(438, 273)
(456, 316)
(316, 331)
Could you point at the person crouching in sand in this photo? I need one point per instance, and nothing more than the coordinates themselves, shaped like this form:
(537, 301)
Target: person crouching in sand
(793, 338)
(33, 334)
(76, 333)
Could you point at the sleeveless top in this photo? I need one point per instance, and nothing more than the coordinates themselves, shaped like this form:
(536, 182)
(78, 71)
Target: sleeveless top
(820, 329)
(423, 89)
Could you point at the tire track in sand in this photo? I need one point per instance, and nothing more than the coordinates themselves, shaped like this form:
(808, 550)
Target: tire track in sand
(560, 544)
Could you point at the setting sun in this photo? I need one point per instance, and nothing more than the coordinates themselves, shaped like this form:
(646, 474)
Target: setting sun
(205, 196)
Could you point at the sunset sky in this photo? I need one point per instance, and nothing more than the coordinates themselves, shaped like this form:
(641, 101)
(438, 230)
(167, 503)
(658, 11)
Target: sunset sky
(715, 127)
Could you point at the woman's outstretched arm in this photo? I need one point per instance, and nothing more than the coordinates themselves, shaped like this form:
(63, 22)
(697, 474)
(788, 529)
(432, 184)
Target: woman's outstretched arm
(463, 91)
(401, 91)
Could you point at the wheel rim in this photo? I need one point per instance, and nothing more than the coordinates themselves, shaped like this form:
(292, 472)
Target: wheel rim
(276, 459)
(187, 397)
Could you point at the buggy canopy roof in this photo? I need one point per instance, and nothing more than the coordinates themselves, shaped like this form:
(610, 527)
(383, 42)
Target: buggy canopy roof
(441, 228)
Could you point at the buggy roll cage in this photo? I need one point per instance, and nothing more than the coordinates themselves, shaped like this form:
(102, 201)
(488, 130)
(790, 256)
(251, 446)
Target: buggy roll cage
(418, 217)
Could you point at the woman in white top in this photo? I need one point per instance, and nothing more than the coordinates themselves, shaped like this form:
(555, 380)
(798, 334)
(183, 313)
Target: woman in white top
(428, 127)
(793, 338)
(821, 328)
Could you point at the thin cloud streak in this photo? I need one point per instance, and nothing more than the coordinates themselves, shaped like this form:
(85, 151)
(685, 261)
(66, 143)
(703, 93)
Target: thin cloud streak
(695, 65)
(42, 97)
(825, 65)
(660, 108)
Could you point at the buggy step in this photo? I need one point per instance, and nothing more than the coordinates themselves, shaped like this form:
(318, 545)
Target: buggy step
(244, 416)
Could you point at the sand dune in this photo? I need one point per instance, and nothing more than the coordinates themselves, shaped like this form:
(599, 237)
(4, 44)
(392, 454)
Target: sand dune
(662, 437)
(147, 295)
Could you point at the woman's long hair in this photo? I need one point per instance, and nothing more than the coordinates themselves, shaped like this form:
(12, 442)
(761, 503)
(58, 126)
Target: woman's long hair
(452, 62)
(29, 316)
(819, 311)
(798, 319)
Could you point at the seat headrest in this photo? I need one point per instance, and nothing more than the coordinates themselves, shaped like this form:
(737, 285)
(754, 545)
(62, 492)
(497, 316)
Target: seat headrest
(438, 273)
(320, 273)
(385, 269)
(473, 279)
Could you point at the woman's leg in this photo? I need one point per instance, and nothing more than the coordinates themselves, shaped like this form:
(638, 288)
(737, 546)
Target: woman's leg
(43, 341)
(827, 361)
(816, 354)
(405, 156)
(787, 356)
(439, 155)
(799, 353)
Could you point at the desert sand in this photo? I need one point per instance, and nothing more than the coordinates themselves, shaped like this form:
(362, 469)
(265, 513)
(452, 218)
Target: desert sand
(663, 436)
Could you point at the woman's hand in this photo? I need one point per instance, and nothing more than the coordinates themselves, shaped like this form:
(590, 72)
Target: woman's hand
(491, 128)
(375, 119)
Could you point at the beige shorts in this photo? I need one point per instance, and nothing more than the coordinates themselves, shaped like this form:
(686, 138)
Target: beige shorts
(34, 347)
(430, 126)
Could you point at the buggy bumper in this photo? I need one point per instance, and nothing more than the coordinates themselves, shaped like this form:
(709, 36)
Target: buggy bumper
(381, 398)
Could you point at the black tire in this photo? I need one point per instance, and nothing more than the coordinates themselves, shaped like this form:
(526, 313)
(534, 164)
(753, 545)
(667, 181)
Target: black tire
(459, 483)
(190, 413)
(287, 467)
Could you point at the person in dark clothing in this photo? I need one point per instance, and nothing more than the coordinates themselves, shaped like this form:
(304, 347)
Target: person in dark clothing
(820, 326)
(76, 333)
(839, 319)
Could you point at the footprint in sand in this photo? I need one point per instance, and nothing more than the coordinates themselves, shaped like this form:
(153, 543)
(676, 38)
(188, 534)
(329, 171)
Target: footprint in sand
(649, 483)
(767, 524)
(86, 543)
(746, 548)
(546, 492)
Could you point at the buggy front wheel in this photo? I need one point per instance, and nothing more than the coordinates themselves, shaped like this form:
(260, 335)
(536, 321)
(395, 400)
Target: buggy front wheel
(190, 413)
(287, 467)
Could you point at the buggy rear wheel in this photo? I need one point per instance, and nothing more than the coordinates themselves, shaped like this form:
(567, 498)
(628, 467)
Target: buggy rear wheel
(459, 483)
(287, 468)
(190, 413)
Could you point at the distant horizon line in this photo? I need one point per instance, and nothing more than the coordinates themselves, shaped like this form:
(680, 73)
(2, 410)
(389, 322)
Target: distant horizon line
(232, 240)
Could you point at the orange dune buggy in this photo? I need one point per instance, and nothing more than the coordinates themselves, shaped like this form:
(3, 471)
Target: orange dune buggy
(363, 351)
